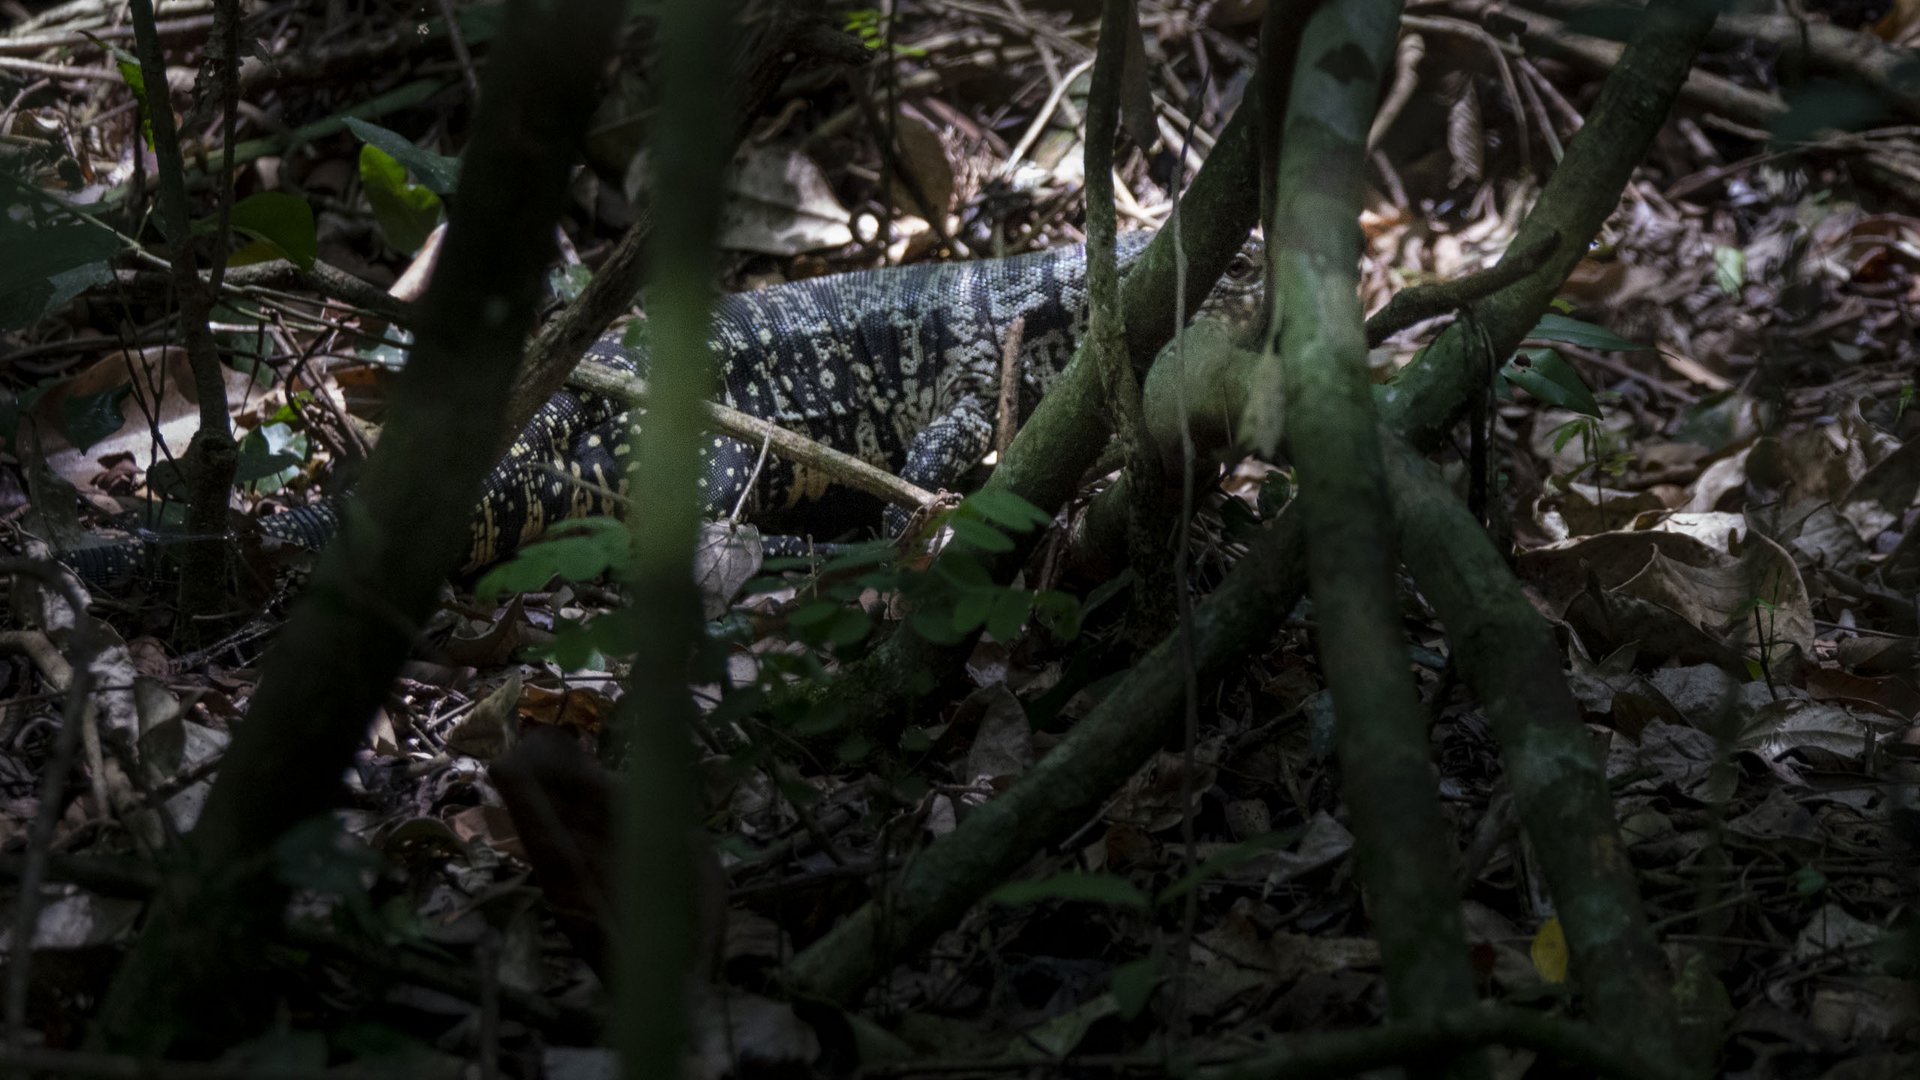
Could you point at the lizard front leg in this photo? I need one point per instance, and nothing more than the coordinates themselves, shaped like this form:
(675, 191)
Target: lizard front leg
(942, 453)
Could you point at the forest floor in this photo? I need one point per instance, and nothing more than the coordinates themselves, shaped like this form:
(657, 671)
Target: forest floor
(1708, 466)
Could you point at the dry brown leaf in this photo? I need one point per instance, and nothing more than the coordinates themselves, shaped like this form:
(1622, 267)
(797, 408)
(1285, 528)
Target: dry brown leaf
(176, 413)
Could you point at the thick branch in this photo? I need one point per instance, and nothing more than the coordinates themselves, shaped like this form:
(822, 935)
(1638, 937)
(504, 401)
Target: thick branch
(194, 976)
(1319, 355)
(939, 884)
(1067, 431)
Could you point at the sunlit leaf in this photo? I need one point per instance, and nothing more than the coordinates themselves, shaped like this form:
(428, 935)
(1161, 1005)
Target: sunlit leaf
(1549, 951)
(406, 212)
(441, 174)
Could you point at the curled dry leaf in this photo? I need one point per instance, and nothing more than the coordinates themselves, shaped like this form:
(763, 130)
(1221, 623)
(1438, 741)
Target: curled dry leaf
(176, 413)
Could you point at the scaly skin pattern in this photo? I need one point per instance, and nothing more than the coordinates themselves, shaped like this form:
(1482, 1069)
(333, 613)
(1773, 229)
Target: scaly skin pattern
(899, 366)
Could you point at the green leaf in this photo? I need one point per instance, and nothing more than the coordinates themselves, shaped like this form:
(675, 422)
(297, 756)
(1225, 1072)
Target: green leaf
(573, 648)
(1060, 612)
(1545, 375)
(566, 282)
(280, 221)
(854, 750)
(849, 627)
(317, 854)
(390, 354)
(820, 719)
(1818, 106)
(1566, 433)
(812, 614)
(936, 627)
(570, 557)
(1553, 327)
(1220, 862)
(441, 174)
(1275, 492)
(406, 212)
(130, 71)
(980, 535)
(1008, 510)
(963, 572)
(1009, 614)
(85, 419)
(581, 645)
(970, 612)
(1133, 985)
(857, 556)
(270, 456)
(1808, 880)
(1729, 269)
(1089, 888)
(43, 268)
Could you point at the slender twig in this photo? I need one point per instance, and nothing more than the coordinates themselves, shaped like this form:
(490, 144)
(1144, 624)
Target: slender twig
(80, 648)
(1422, 302)
(841, 466)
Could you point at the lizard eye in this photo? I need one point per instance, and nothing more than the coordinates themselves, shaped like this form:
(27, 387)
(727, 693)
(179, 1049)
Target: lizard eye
(1242, 268)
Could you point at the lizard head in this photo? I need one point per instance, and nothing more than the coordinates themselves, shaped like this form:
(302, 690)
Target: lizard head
(1237, 296)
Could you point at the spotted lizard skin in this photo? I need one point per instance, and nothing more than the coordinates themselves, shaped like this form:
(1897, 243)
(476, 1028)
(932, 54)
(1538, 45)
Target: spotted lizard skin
(899, 366)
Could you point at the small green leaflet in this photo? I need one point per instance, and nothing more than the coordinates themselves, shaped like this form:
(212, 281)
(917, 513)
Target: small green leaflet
(1009, 613)
(980, 535)
(1556, 327)
(1729, 269)
(577, 646)
(390, 353)
(85, 419)
(129, 68)
(1547, 376)
(831, 622)
(582, 550)
(1244, 851)
(441, 174)
(42, 268)
(1008, 510)
(1819, 106)
(406, 212)
(1060, 612)
(270, 456)
(1133, 985)
(280, 224)
(568, 282)
(972, 610)
(1093, 888)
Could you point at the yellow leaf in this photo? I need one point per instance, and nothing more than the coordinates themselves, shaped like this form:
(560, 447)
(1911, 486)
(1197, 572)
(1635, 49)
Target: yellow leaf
(1550, 951)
